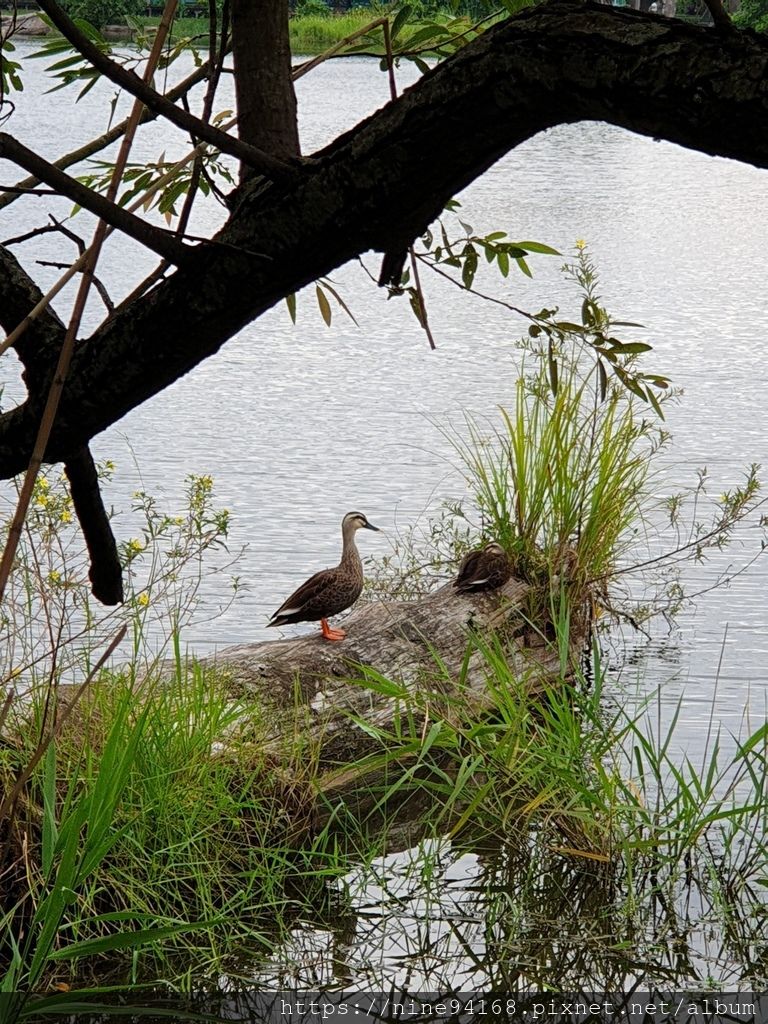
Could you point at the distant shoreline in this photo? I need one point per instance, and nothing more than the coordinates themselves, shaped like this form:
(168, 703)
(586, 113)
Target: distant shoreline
(310, 35)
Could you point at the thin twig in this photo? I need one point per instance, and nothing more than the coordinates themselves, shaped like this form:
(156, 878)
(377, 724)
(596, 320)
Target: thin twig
(303, 69)
(679, 553)
(75, 156)
(423, 316)
(474, 291)
(44, 229)
(98, 284)
(19, 190)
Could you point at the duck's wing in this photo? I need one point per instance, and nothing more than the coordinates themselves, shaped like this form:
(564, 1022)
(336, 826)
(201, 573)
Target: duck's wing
(307, 596)
(469, 569)
(500, 570)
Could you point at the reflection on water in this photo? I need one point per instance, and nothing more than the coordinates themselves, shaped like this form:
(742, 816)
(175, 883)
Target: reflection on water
(512, 918)
(300, 424)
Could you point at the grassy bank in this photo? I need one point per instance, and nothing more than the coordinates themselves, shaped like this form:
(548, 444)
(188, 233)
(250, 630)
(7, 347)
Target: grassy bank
(310, 34)
(150, 832)
(313, 34)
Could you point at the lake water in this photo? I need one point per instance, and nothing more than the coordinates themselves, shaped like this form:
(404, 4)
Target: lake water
(299, 424)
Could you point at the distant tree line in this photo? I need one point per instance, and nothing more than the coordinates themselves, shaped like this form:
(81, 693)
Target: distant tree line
(102, 12)
(750, 13)
(419, 8)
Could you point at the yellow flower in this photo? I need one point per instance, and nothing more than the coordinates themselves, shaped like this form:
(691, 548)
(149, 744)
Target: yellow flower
(135, 546)
(143, 600)
(66, 516)
(580, 244)
(54, 576)
(41, 500)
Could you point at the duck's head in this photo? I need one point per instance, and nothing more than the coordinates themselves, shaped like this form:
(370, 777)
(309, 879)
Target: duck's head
(494, 549)
(356, 521)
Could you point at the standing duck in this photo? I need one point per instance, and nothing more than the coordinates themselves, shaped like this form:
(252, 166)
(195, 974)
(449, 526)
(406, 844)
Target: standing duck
(329, 591)
(483, 569)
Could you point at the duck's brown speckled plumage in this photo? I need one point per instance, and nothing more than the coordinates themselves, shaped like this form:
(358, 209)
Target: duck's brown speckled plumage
(484, 568)
(329, 591)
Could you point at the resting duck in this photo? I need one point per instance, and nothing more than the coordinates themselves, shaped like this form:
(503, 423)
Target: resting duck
(329, 591)
(483, 569)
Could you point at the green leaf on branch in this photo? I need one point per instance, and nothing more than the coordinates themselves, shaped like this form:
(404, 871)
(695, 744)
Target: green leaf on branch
(416, 306)
(324, 304)
(603, 376)
(630, 383)
(628, 348)
(401, 18)
(539, 247)
(332, 291)
(655, 403)
(568, 327)
(552, 363)
(469, 269)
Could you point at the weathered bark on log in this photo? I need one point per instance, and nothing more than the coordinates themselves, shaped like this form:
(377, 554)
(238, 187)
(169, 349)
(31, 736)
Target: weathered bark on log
(421, 645)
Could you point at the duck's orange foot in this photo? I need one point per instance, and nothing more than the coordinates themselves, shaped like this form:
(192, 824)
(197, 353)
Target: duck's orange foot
(331, 634)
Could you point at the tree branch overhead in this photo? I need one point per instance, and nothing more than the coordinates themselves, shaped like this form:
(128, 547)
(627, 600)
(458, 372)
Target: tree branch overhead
(380, 185)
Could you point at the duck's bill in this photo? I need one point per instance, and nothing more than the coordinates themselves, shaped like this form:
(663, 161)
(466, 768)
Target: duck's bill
(370, 526)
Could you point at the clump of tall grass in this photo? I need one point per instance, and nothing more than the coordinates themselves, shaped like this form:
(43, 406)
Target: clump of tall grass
(186, 826)
(565, 477)
(582, 793)
(560, 477)
(561, 480)
(314, 33)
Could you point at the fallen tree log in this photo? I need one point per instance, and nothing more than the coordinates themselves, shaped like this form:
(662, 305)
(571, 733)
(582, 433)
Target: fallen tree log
(403, 666)
(422, 647)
